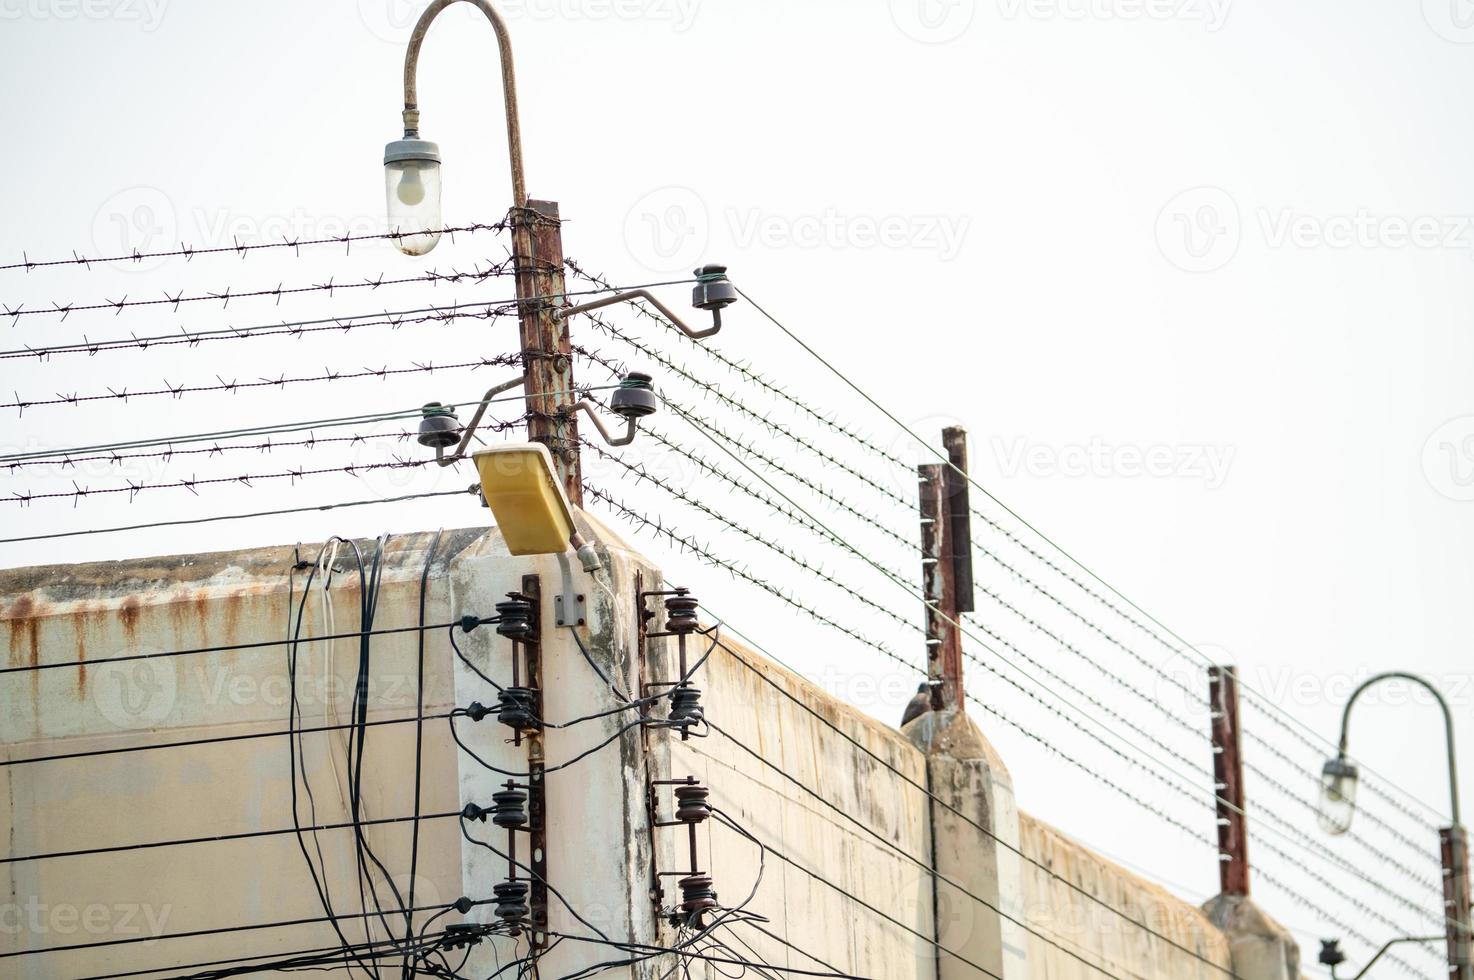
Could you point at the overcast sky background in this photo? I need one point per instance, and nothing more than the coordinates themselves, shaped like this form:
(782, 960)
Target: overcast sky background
(1195, 274)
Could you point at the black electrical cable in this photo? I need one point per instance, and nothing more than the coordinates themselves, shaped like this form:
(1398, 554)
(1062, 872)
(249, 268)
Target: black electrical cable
(414, 853)
(231, 647)
(211, 740)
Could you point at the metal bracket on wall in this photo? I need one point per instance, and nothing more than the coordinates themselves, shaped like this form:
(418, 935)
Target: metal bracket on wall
(692, 809)
(570, 611)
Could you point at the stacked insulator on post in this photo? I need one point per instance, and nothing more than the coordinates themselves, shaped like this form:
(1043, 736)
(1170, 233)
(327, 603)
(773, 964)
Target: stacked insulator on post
(697, 894)
(511, 903)
(515, 708)
(685, 699)
(692, 803)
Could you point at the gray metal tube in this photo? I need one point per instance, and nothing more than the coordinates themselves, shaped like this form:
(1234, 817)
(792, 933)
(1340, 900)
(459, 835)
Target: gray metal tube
(509, 86)
(650, 298)
(1448, 721)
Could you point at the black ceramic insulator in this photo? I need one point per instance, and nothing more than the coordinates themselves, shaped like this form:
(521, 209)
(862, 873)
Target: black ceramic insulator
(516, 619)
(511, 901)
(510, 808)
(691, 804)
(681, 614)
(685, 705)
(697, 894)
(514, 706)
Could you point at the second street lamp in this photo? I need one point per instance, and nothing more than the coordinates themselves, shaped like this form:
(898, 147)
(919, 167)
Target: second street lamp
(1338, 805)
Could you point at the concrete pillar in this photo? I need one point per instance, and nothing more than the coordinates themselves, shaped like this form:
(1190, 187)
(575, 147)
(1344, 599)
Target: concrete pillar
(597, 827)
(1262, 949)
(966, 772)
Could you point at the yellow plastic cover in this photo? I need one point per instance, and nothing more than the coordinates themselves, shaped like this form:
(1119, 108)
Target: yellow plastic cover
(525, 497)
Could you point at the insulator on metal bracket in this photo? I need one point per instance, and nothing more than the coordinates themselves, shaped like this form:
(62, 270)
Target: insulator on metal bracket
(692, 805)
(697, 894)
(515, 708)
(516, 619)
(510, 808)
(685, 706)
(681, 613)
(511, 902)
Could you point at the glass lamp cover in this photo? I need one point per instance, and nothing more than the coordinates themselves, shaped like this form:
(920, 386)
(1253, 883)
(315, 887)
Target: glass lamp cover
(412, 188)
(1337, 796)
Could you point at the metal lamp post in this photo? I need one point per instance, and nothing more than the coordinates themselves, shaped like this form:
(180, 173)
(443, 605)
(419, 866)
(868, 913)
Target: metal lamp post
(412, 182)
(1338, 805)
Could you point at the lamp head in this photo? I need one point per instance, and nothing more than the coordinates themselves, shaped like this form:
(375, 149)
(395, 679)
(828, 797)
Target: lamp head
(1330, 952)
(412, 187)
(1337, 795)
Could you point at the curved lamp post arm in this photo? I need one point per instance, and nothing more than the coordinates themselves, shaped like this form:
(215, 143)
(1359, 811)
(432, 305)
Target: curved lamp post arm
(509, 86)
(649, 297)
(1448, 721)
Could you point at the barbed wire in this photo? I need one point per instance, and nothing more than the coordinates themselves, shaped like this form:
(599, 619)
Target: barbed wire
(194, 338)
(188, 253)
(747, 412)
(656, 525)
(752, 377)
(177, 391)
(696, 420)
(494, 270)
(267, 447)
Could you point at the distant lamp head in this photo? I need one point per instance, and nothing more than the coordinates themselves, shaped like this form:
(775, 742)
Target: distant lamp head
(1330, 952)
(1338, 795)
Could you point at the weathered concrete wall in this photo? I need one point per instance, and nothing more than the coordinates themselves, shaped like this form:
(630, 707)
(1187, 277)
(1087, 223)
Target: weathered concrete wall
(1054, 906)
(839, 822)
(841, 802)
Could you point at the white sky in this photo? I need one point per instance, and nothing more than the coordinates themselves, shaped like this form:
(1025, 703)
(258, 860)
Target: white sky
(1230, 238)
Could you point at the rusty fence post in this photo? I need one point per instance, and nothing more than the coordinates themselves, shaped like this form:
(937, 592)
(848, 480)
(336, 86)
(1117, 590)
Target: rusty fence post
(537, 237)
(1228, 781)
(1454, 845)
(946, 567)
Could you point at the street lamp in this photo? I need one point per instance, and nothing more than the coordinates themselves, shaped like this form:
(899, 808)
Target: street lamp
(412, 165)
(1338, 805)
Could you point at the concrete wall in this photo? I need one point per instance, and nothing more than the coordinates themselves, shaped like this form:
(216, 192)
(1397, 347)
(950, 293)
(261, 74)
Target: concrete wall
(842, 802)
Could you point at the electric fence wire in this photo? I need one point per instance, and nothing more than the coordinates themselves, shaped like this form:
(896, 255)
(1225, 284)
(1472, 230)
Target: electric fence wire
(1181, 647)
(875, 450)
(1123, 756)
(1035, 624)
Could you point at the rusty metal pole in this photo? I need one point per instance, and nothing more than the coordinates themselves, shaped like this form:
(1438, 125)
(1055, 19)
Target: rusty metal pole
(959, 515)
(939, 587)
(1454, 846)
(1228, 775)
(537, 237)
